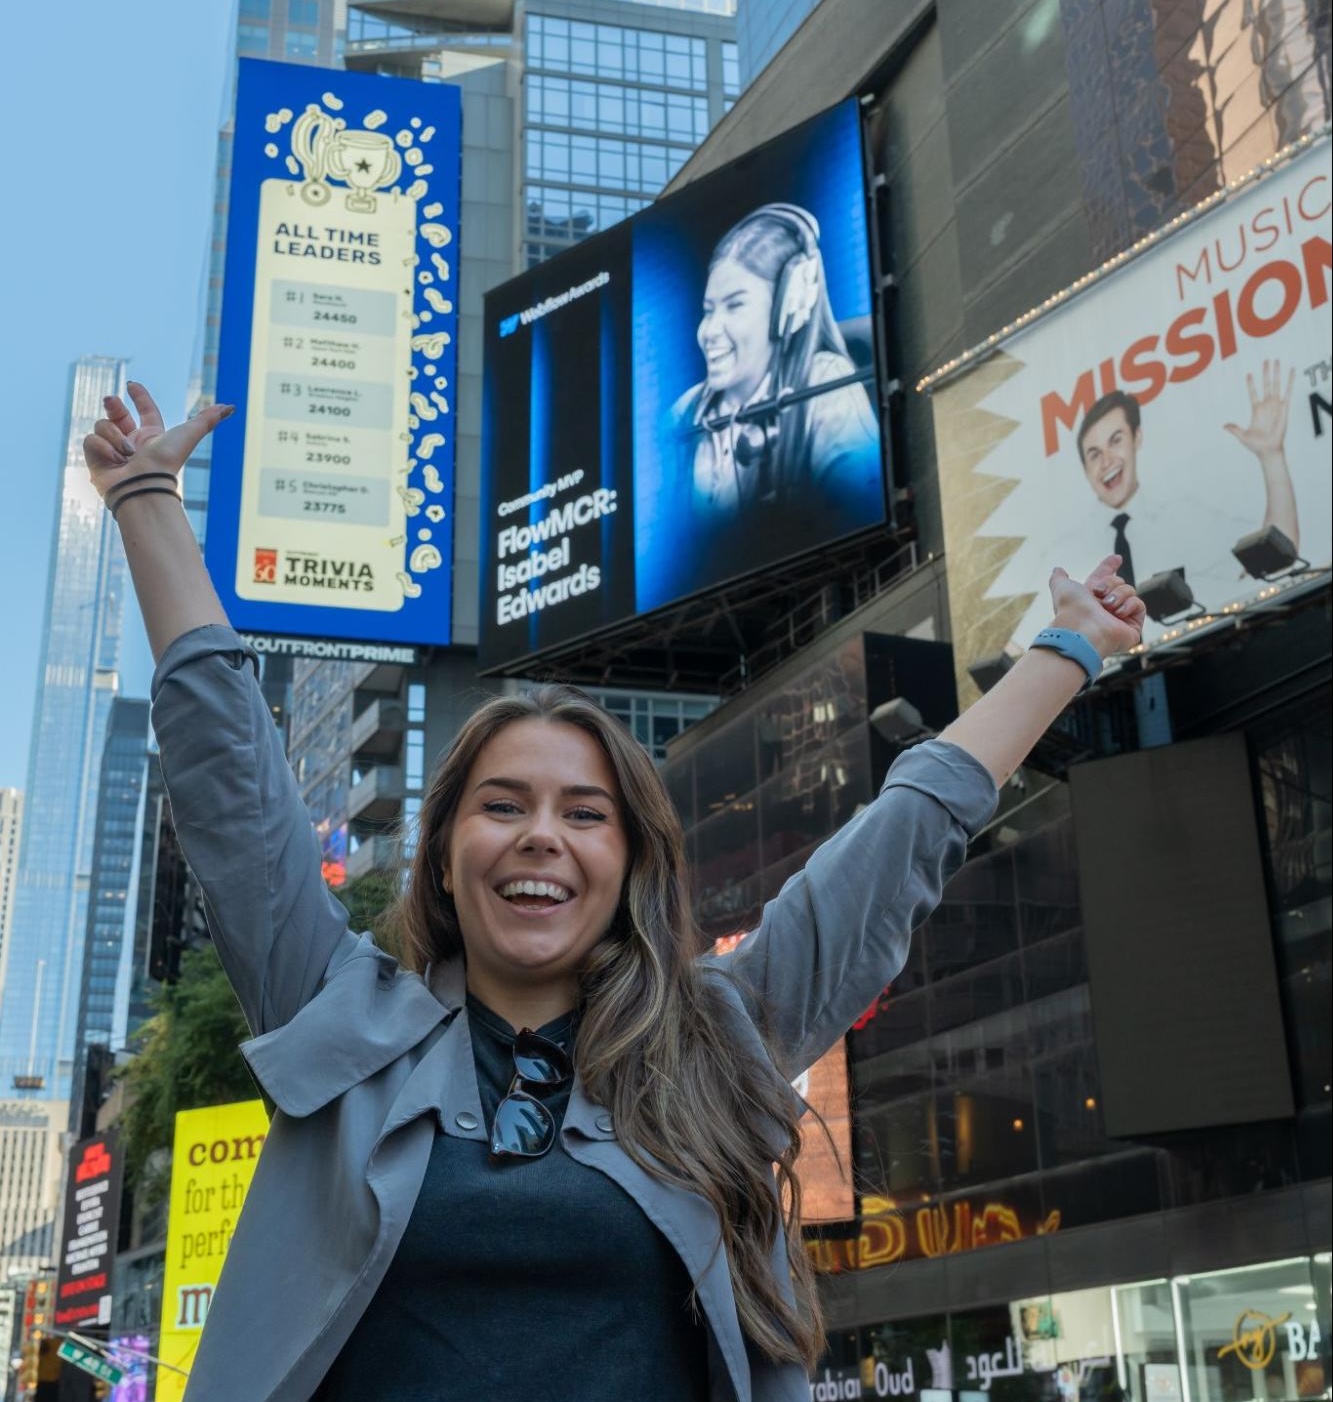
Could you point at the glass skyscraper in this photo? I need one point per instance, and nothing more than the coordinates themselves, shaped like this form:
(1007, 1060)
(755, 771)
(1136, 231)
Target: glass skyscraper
(112, 889)
(11, 829)
(762, 28)
(76, 685)
(613, 107)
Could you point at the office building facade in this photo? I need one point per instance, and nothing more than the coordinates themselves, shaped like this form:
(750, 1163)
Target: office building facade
(108, 949)
(1016, 1234)
(762, 28)
(76, 685)
(31, 1166)
(11, 829)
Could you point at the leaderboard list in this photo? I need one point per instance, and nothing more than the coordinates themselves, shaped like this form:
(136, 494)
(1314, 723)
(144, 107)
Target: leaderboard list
(323, 517)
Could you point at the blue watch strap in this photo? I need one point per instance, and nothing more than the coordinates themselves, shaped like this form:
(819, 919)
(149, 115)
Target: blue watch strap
(1074, 646)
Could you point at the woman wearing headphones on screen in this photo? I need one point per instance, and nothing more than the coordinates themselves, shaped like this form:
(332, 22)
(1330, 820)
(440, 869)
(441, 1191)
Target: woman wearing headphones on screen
(767, 334)
(553, 1158)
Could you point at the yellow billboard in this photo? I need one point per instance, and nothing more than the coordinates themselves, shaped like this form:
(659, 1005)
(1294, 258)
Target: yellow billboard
(213, 1160)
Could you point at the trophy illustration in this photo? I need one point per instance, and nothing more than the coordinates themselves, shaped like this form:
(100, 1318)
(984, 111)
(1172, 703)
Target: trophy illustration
(366, 160)
(312, 135)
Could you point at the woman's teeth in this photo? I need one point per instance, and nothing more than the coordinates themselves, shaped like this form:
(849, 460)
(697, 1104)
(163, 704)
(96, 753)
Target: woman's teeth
(550, 889)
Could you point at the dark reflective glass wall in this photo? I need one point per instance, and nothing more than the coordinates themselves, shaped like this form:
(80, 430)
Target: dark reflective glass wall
(976, 1091)
(757, 793)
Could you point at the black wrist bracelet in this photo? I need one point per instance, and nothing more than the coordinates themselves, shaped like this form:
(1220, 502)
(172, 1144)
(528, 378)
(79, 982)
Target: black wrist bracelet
(132, 481)
(141, 492)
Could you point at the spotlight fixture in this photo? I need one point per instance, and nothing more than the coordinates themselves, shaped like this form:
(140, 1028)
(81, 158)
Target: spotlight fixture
(1166, 595)
(898, 721)
(1266, 553)
(986, 671)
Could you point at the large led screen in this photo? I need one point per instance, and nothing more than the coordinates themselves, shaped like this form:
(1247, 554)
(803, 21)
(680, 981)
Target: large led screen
(330, 508)
(684, 400)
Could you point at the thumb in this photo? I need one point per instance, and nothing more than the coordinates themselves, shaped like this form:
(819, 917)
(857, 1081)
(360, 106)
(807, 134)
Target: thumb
(179, 442)
(1059, 579)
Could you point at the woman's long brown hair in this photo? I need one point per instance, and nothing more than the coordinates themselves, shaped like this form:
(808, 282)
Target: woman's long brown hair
(653, 1043)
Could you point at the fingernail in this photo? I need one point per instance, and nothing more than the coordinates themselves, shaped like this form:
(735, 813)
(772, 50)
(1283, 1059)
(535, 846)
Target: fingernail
(1109, 601)
(228, 410)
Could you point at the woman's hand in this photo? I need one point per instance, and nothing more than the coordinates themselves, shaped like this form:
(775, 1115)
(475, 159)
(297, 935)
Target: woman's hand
(118, 449)
(1103, 608)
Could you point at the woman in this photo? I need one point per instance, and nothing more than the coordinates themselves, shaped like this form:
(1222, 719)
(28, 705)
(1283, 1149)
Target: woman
(767, 330)
(447, 1207)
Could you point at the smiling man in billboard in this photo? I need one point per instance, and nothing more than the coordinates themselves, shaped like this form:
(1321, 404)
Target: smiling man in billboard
(779, 414)
(1157, 530)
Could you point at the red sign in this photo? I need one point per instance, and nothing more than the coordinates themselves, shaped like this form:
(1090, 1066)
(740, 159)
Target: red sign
(266, 566)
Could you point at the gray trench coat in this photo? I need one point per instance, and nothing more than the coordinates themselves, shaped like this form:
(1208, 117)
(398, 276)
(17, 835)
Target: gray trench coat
(366, 1062)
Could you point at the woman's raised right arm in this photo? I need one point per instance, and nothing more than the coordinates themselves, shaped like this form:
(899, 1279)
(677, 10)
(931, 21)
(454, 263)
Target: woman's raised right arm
(174, 591)
(234, 801)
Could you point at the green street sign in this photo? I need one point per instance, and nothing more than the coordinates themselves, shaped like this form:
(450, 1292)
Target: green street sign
(89, 1361)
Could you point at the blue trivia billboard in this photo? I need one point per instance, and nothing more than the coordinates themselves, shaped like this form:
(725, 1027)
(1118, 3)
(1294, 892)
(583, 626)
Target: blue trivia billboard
(330, 508)
(684, 400)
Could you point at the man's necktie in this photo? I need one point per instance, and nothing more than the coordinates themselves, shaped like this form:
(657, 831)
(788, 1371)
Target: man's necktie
(1121, 547)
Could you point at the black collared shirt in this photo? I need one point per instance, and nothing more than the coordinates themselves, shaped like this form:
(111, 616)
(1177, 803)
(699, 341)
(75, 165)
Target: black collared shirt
(525, 1281)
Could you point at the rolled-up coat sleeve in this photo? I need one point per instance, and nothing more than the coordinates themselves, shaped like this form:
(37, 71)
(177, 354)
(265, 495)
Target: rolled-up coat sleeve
(242, 826)
(838, 931)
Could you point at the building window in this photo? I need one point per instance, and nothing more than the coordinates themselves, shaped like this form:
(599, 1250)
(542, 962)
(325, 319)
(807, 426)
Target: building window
(415, 759)
(300, 44)
(303, 12)
(731, 72)
(416, 702)
(254, 9)
(610, 51)
(251, 39)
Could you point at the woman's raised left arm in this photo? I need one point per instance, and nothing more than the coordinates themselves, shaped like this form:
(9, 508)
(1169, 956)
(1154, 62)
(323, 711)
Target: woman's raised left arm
(838, 931)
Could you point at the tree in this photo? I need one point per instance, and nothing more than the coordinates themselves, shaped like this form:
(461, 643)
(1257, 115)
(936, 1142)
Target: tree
(187, 1054)
(187, 1058)
(369, 901)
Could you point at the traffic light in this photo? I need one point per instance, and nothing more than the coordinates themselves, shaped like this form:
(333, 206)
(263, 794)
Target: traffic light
(36, 1320)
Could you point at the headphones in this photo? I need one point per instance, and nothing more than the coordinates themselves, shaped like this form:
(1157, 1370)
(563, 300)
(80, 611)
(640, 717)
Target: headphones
(796, 291)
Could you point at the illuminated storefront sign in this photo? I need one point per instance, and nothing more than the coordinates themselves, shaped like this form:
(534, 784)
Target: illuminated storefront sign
(1255, 1339)
(890, 1233)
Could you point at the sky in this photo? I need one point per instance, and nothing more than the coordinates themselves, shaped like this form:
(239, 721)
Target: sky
(103, 241)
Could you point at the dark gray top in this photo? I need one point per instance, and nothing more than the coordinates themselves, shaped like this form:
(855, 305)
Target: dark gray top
(499, 1287)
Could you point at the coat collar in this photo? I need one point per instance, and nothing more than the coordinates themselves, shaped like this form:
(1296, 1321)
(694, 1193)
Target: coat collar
(368, 1014)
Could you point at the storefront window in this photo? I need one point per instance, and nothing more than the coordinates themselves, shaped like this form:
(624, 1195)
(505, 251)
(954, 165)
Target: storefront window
(1254, 1332)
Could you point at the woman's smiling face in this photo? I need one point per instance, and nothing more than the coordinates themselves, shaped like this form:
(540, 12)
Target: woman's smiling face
(537, 856)
(733, 334)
